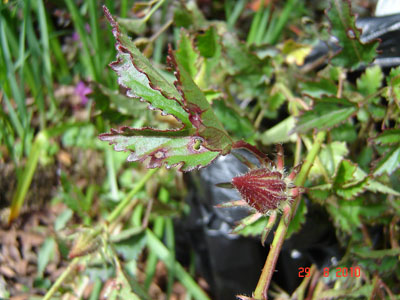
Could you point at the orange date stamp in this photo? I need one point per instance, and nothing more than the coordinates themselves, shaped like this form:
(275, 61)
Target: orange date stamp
(339, 272)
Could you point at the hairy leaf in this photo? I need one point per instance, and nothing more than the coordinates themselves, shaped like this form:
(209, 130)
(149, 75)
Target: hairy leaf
(201, 114)
(156, 147)
(200, 139)
(326, 113)
(142, 80)
(353, 52)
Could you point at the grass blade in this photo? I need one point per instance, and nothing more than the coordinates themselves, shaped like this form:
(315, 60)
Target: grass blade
(15, 89)
(24, 181)
(164, 254)
(80, 28)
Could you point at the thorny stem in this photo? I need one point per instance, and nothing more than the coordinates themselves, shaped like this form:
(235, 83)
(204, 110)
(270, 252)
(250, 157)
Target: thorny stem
(261, 290)
(111, 217)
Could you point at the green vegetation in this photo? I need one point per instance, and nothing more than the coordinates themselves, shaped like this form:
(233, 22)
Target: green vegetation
(91, 222)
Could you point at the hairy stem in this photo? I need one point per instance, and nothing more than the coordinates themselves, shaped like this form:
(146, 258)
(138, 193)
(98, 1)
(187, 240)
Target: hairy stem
(261, 290)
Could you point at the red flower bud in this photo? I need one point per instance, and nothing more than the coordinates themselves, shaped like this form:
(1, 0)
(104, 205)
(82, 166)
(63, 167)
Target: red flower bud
(263, 189)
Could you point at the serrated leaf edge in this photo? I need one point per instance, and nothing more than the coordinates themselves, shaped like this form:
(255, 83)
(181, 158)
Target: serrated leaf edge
(193, 118)
(180, 165)
(351, 38)
(120, 48)
(314, 99)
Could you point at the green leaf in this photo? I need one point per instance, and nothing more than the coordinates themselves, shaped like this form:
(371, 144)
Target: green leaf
(332, 154)
(156, 147)
(186, 54)
(119, 102)
(275, 101)
(187, 14)
(389, 136)
(298, 220)
(353, 52)
(349, 191)
(280, 133)
(389, 162)
(142, 80)
(346, 213)
(326, 113)
(320, 192)
(254, 229)
(138, 26)
(367, 253)
(62, 219)
(370, 81)
(201, 114)
(322, 87)
(393, 82)
(348, 182)
(207, 42)
(240, 59)
(201, 138)
(353, 292)
(345, 172)
(45, 254)
(345, 132)
(233, 122)
(375, 186)
(131, 247)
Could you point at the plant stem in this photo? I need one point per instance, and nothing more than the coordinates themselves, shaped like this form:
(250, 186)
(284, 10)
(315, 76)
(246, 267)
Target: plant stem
(60, 279)
(124, 203)
(261, 290)
(111, 217)
(153, 9)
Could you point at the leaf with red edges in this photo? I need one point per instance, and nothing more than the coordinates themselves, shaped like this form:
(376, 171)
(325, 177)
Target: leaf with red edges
(142, 80)
(156, 147)
(200, 112)
(200, 139)
(353, 52)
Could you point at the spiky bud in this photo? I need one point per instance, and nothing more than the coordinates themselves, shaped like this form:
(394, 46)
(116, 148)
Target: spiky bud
(264, 189)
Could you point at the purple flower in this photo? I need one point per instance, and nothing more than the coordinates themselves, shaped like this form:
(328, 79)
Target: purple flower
(75, 36)
(82, 90)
